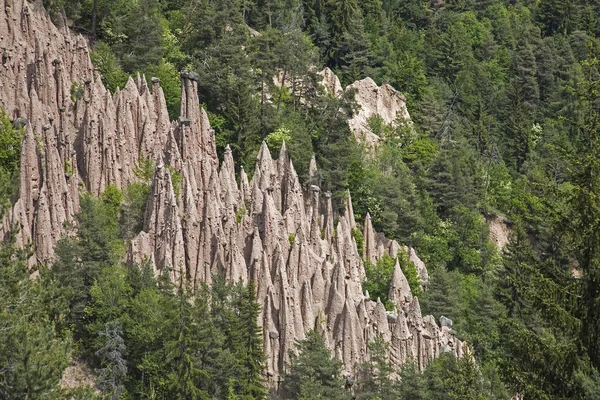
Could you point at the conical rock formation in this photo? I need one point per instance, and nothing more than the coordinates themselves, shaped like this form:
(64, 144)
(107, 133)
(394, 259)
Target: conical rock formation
(267, 229)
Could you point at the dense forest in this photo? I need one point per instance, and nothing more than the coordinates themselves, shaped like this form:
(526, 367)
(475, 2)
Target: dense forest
(504, 96)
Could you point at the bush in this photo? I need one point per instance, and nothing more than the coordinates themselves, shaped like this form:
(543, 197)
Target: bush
(77, 91)
(108, 67)
(379, 277)
(170, 84)
(10, 160)
(275, 139)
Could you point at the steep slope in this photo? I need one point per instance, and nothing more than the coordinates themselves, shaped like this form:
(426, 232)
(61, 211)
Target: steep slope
(301, 255)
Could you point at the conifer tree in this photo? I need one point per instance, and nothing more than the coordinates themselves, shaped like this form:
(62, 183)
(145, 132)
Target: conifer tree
(312, 372)
(375, 380)
(114, 366)
(584, 220)
(250, 353)
(411, 383)
(33, 353)
(187, 373)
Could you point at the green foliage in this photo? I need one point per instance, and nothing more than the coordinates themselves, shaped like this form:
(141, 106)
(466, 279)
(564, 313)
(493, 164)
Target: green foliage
(56, 6)
(239, 214)
(10, 144)
(114, 366)
(33, 351)
(468, 300)
(250, 352)
(80, 259)
(69, 170)
(77, 91)
(112, 197)
(222, 133)
(109, 303)
(584, 212)
(144, 169)
(453, 378)
(142, 36)
(176, 179)
(133, 208)
(312, 373)
(170, 84)
(413, 384)
(410, 272)
(375, 380)
(292, 238)
(108, 67)
(379, 277)
(358, 238)
(10, 160)
(277, 138)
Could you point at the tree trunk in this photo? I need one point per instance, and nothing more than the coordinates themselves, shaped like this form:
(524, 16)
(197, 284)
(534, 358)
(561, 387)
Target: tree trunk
(94, 16)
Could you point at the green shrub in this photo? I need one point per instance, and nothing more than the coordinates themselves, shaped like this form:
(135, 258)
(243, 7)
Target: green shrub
(144, 168)
(359, 239)
(292, 238)
(10, 160)
(275, 139)
(108, 67)
(176, 180)
(379, 277)
(77, 91)
(133, 208)
(239, 214)
(170, 83)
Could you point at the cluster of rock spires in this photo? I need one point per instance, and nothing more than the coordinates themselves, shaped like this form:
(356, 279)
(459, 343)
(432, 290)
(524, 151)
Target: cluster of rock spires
(300, 254)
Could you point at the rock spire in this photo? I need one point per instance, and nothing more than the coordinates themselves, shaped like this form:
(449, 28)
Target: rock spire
(308, 272)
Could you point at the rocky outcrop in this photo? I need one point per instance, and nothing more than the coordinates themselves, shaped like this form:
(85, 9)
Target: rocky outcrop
(499, 231)
(331, 82)
(300, 254)
(383, 101)
(376, 245)
(78, 135)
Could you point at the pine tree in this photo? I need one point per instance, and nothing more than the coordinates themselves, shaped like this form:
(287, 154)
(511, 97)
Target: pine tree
(349, 45)
(186, 373)
(33, 353)
(375, 380)
(411, 383)
(142, 29)
(448, 377)
(114, 366)
(109, 302)
(312, 372)
(524, 98)
(584, 221)
(250, 353)
(557, 16)
(540, 337)
(80, 259)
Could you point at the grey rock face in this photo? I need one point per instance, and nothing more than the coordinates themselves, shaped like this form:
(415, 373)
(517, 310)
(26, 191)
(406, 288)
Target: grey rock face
(267, 230)
(445, 321)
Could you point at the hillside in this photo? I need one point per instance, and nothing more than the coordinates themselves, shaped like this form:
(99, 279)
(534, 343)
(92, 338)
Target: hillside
(155, 247)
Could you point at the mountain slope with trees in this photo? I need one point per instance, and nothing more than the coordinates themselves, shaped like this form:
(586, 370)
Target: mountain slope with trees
(504, 100)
